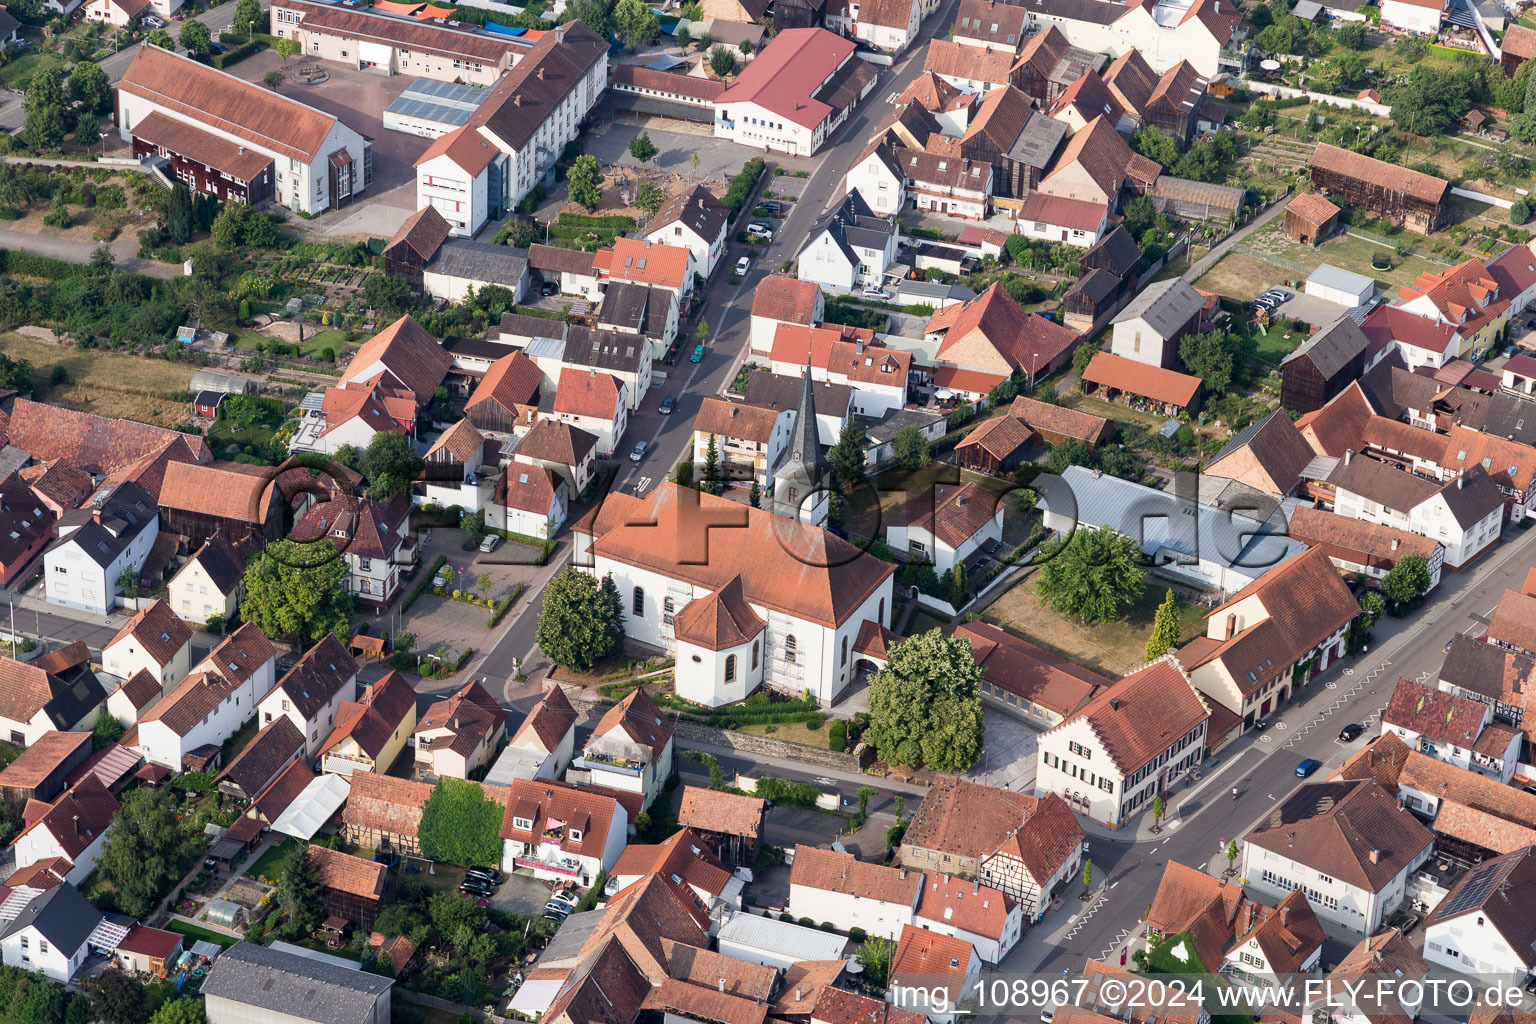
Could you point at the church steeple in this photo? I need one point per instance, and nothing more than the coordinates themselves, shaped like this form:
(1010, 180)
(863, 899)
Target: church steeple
(799, 484)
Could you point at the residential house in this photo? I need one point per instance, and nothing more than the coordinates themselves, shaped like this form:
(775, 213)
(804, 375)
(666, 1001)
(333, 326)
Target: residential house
(1453, 729)
(1346, 845)
(209, 584)
(748, 439)
(373, 538)
(249, 982)
(782, 300)
(455, 472)
(987, 23)
(1415, 17)
(971, 68)
(1027, 680)
(942, 183)
(276, 746)
(232, 139)
(55, 691)
(1150, 327)
(795, 93)
(640, 261)
(877, 375)
(647, 310)
(153, 641)
(116, 13)
(833, 402)
(97, 545)
(509, 385)
(1028, 848)
(1084, 100)
(1092, 165)
(542, 746)
(992, 334)
(371, 731)
(568, 451)
(71, 831)
(630, 749)
(810, 615)
(1363, 547)
(1208, 34)
(1323, 365)
(352, 414)
(561, 832)
(730, 824)
(889, 25)
(309, 694)
(878, 177)
(1466, 297)
(530, 500)
(1481, 926)
(695, 220)
(26, 524)
(50, 934)
(593, 402)
(933, 973)
(383, 812)
(1465, 514)
(1066, 221)
(827, 885)
(402, 357)
(848, 247)
(1280, 947)
(570, 269)
(457, 735)
(990, 921)
(553, 345)
(839, 1005)
(946, 524)
(1127, 745)
(350, 887)
(209, 705)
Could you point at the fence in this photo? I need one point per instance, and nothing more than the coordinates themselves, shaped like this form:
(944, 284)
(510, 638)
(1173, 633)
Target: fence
(1345, 102)
(1482, 197)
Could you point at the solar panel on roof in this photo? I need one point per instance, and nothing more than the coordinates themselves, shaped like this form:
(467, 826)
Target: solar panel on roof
(1473, 892)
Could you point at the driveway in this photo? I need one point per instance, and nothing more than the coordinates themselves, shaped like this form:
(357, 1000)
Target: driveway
(1009, 757)
(522, 894)
(438, 620)
(1310, 308)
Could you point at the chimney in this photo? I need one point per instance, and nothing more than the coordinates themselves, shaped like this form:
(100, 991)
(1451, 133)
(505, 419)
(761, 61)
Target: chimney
(517, 99)
(1114, 703)
(976, 887)
(722, 984)
(76, 819)
(1231, 625)
(1375, 856)
(798, 994)
(1349, 456)
(1285, 912)
(1395, 542)
(1460, 481)
(541, 72)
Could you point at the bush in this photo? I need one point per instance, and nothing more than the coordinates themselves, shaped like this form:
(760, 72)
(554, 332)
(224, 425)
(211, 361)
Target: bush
(1519, 212)
(837, 736)
(857, 935)
(743, 185)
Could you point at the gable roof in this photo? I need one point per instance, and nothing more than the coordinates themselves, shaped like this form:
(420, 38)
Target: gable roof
(371, 721)
(95, 444)
(511, 381)
(1101, 153)
(343, 872)
(1028, 671)
(999, 437)
(318, 675)
(295, 986)
(1020, 339)
(422, 233)
(1352, 831)
(204, 688)
(787, 299)
(952, 513)
(786, 76)
(1312, 207)
(644, 262)
(973, 63)
(157, 630)
(385, 803)
(1279, 453)
(715, 811)
(29, 688)
(1431, 712)
(411, 355)
(39, 760)
(1161, 385)
(470, 714)
(269, 752)
(845, 874)
(1131, 79)
(696, 209)
(1142, 714)
(214, 490)
(1057, 419)
(219, 560)
(550, 719)
(588, 393)
(638, 717)
(79, 817)
(1393, 177)
(61, 915)
(552, 441)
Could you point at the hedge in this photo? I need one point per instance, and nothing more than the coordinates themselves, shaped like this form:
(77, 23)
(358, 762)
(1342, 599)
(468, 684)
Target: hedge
(425, 584)
(31, 265)
(503, 607)
(609, 222)
(743, 185)
(236, 54)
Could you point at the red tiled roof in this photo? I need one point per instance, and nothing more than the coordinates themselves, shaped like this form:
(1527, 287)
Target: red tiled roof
(642, 262)
(785, 76)
(78, 817)
(511, 381)
(157, 630)
(845, 874)
(1431, 712)
(638, 77)
(1059, 211)
(1312, 208)
(1140, 716)
(411, 355)
(719, 620)
(1127, 375)
(959, 903)
(638, 717)
(550, 719)
(1021, 341)
(1028, 671)
(715, 811)
(778, 297)
(150, 942)
(39, 760)
(1396, 178)
(95, 444)
(348, 874)
(585, 392)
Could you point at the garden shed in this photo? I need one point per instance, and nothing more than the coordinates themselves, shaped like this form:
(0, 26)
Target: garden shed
(226, 914)
(1335, 284)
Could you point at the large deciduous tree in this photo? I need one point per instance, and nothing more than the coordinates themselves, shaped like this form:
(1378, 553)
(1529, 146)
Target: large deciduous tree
(145, 850)
(1209, 357)
(88, 86)
(195, 37)
(910, 448)
(460, 825)
(581, 619)
(44, 105)
(925, 705)
(1093, 574)
(1407, 581)
(585, 181)
(636, 24)
(295, 591)
(390, 464)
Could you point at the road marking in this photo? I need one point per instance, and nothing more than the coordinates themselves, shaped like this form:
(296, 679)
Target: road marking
(641, 485)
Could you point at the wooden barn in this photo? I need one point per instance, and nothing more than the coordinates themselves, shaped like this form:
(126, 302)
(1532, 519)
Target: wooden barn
(1310, 219)
(1106, 281)
(998, 445)
(350, 887)
(1410, 199)
(408, 253)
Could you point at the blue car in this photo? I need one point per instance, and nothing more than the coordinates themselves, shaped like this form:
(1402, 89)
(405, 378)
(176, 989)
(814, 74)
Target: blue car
(1307, 767)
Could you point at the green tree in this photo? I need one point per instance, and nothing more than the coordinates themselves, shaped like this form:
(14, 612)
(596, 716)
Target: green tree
(650, 197)
(108, 727)
(957, 584)
(287, 49)
(585, 181)
(642, 148)
(89, 87)
(875, 956)
(910, 448)
(249, 18)
(87, 131)
(1351, 35)
(1430, 101)
(1519, 212)
(755, 495)
(1371, 608)
(195, 37)
(144, 851)
(44, 105)
(461, 825)
(1159, 808)
(274, 78)
(1087, 872)
(1154, 145)
(120, 999)
(1232, 851)
(161, 38)
(745, 46)
(1081, 357)
(721, 61)
(1165, 628)
(179, 217)
(576, 621)
(681, 37)
(295, 591)
(1407, 581)
(636, 24)
(597, 15)
(925, 705)
(709, 482)
(1093, 574)
(1069, 452)
(1273, 39)
(298, 890)
(1209, 357)
(390, 464)
(847, 455)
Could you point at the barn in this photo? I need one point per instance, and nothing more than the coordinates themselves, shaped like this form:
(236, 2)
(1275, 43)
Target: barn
(1410, 199)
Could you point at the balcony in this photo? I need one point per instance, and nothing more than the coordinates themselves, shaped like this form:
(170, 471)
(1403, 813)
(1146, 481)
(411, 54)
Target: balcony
(609, 763)
(562, 866)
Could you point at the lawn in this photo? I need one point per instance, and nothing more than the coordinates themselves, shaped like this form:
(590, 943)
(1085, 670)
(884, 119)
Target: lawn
(270, 863)
(1240, 276)
(1349, 252)
(922, 622)
(1109, 648)
(1112, 410)
(1277, 344)
(192, 931)
(15, 74)
(315, 340)
(794, 732)
(105, 383)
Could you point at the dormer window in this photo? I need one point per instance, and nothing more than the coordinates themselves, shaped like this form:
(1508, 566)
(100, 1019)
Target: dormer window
(523, 824)
(575, 835)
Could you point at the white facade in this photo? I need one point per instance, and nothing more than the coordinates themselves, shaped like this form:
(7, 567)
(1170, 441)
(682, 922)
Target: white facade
(317, 728)
(37, 843)
(1431, 518)
(848, 911)
(1059, 234)
(162, 745)
(529, 522)
(922, 543)
(706, 251)
(825, 262)
(127, 657)
(1356, 908)
(739, 458)
(196, 598)
(461, 197)
(29, 950)
(713, 678)
(1416, 18)
(882, 188)
(1164, 33)
(554, 864)
(76, 580)
(1471, 944)
(595, 763)
(894, 38)
(870, 398)
(1249, 962)
(990, 948)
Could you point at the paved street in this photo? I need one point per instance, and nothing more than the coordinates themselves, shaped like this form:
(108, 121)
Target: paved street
(1204, 818)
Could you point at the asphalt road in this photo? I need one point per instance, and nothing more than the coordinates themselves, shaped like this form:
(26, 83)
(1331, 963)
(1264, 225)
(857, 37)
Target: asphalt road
(1204, 818)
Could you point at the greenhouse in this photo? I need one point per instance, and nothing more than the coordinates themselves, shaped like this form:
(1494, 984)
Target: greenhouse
(226, 914)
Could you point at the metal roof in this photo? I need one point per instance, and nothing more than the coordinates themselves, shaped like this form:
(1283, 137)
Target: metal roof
(480, 261)
(1330, 276)
(295, 986)
(781, 937)
(428, 99)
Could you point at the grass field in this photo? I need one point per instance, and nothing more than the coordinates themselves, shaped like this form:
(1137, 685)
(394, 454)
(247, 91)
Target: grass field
(270, 863)
(1108, 648)
(1349, 252)
(1111, 410)
(192, 931)
(922, 622)
(15, 74)
(315, 340)
(1240, 276)
(794, 732)
(105, 383)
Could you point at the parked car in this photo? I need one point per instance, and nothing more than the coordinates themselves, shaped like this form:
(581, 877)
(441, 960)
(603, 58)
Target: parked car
(549, 288)
(697, 355)
(760, 229)
(1261, 725)
(490, 542)
(152, 21)
(637, 453)
(772, 206)
(668, 404)
(1351, 731)
(740, 269)
(1307, 767)
(556, 911)
(479, 885)
(879, 294)
(218, 48)
(489, 874)
(565, 897)
(443, 575)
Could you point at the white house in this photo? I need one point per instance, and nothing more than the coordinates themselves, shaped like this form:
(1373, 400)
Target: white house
(749, 438)
(95, 546)
(234, 139)
(1452, 728)
(116, 13)
(695, 220)
(54, 691)
(1206, 33)
(209, 583)
(379, 550)
(783, 300)
(1063, 221)
(1466, 514)
(479, 171)
(569, 452)
(682, 858)
(309, 693)
(933, 973)
(786, 571)
(594, 402)
(1149, 328)
(886, 24)
(155, 641)
(463, 266)
(216, 698)
(946, 524)
(794, 94)
(877, 375)
(1098, 760)
(1483, 926)
(849, 247)
(73, 829)
(1417, 17)
(979, 914)
(458, 734)
(1348, 845)
(630, 750)
(542, 746)
(1467, 296)
(50, 934)
(562, 833)
(825, 885)
(455, 472)
(947, 184)
(878, 178)
(528, 500)
(1286, 940)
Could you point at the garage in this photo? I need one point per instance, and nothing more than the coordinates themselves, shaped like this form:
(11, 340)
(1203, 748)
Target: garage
(375, 55)
(1334, 284)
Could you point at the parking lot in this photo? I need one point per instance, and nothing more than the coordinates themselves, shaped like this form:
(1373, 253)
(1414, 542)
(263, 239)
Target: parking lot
(522, 894)
(437, 620)
(1009, 758)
